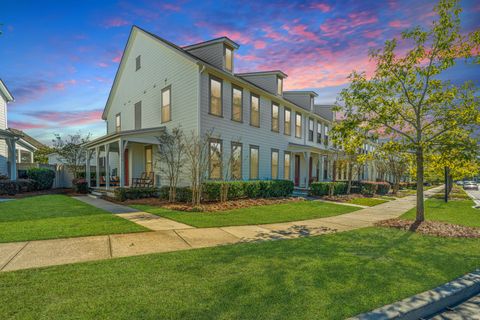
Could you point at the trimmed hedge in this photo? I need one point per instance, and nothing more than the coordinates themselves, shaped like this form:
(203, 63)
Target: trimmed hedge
(43, 177)
(371, 188)
(184, 194)
(122, 194)
(9, 187)
(248, 189)
(322, 188)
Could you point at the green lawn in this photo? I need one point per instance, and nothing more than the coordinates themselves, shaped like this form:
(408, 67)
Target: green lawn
(292, 211)
(369, 202)
(455, 211)
(56, 216)
(327, 277)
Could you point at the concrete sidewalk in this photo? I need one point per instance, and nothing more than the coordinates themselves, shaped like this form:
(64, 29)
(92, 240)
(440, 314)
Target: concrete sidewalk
(173, 236)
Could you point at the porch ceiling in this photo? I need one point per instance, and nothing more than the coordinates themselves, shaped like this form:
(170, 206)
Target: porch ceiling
(294, 147)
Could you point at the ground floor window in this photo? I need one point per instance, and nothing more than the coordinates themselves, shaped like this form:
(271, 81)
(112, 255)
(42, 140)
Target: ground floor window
(148, 159)
(236, 163)
(286, 166)
(253, 162)
(274, 164)
(325, 168)
(215, 160)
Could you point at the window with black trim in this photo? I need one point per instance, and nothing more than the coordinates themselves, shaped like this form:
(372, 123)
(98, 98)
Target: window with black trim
(279, 86)
(138, 115)
(237, 104)
(287, 123)
(138, 62)
(274, 164)
(236, 163)
(118, 122)
(298, 125)
(254, 161)
(286, 165)
(166, 104)
(216, 96)
(254, 110)
(319, 132)
(215, 159)
(228, 59)
(310, 129)
(275, 117)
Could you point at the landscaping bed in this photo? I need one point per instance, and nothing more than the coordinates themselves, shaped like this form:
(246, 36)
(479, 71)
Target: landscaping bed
(433, 228)
(359, 199)
(210, 206)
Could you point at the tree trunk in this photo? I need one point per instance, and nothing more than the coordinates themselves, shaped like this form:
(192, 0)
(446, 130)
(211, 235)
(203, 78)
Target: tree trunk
(420, 204)
(350, 178)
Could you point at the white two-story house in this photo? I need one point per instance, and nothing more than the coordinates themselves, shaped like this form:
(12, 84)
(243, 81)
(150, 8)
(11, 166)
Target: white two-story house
(272, 133)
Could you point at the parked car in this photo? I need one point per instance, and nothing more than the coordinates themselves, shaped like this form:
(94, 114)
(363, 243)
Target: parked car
(470, 185)
(460, 182)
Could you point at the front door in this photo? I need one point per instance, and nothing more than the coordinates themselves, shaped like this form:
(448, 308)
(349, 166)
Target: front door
(297, 170)
(310, 166)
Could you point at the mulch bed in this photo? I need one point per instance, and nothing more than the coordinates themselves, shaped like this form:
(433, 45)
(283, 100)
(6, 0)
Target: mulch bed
(432, 228)
(64, 191)
(212, 206)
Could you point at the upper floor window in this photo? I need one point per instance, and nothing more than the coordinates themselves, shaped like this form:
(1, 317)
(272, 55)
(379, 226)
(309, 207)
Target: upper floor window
(325, 141)
(138, 62)
(215, 96)
(228, 59)
(118, 123)
(138, 115)
(319, 132)
(166, 106)
(236, 163)
(298, 125)
(275, 118)
(274, 164)
(287, 125)
(253, 162)
(311, 103)
(279, 86)
(310, 129)
(237, 104)
(254, 110)
(215, 159)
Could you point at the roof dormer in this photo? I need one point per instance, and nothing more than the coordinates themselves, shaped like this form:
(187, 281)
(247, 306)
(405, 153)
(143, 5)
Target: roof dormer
(304, 99)
(272, 81)
(218, 52)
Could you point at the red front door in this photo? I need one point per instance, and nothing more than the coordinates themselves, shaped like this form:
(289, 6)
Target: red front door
(297, 170)
(125, 161)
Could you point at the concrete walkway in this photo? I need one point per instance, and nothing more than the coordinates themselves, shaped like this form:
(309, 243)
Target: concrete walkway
(170, 235)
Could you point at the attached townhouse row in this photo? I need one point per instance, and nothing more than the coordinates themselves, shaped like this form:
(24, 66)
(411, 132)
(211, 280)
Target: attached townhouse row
(271, 133)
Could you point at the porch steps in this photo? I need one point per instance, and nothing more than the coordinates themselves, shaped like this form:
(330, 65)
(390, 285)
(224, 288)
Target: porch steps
(98, 194)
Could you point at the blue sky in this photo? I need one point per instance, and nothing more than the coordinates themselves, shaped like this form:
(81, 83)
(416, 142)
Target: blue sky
(59, 58)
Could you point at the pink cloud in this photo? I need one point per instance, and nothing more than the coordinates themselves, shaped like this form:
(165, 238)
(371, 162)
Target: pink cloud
(71, 118)
(248, 57)
(234, 35)
(301, 31)
(21, 125)
(171, 7)
(259, 44)
(59, 86)
(321, 6)
(115, 22)
(337, 27)
(361, 18)
(102, 64)
(399, 24)
(117, 57)
(270, 34)
(373, 34)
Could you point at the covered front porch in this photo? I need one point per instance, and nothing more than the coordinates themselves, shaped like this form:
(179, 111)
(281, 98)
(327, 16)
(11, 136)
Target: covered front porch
(121, 159)
(10, 160)
(310, 164)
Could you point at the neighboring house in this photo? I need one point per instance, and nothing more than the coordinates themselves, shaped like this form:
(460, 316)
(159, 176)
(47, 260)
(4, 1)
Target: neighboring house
(16, 146)
(274, 134)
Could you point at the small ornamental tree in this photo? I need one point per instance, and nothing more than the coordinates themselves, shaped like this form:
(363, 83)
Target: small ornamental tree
(171, 154)
(72, 152)
(407, 98)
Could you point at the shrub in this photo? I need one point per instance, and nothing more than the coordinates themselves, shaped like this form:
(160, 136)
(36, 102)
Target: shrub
(184, 194)
(371, 188)
(122, 194)
(81, 185)
(248, 189)
(9, 187)
(42, 177)
(211, 191)
(322, 188)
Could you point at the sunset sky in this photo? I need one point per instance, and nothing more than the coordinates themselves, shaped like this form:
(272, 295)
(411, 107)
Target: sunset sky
(59, 58)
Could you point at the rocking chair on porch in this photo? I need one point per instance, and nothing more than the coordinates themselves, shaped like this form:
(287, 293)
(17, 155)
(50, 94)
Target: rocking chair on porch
(145, 181)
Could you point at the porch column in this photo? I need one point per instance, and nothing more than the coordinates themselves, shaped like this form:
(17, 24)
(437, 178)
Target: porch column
(97, 166)
(87, 168)
(307, 161)
(121, 165)
(107, 166)
(12, 153)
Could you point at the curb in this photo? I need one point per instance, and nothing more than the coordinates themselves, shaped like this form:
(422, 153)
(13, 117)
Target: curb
(429, 302)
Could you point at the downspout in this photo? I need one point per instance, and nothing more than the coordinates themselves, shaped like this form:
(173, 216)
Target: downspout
(199, 96)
